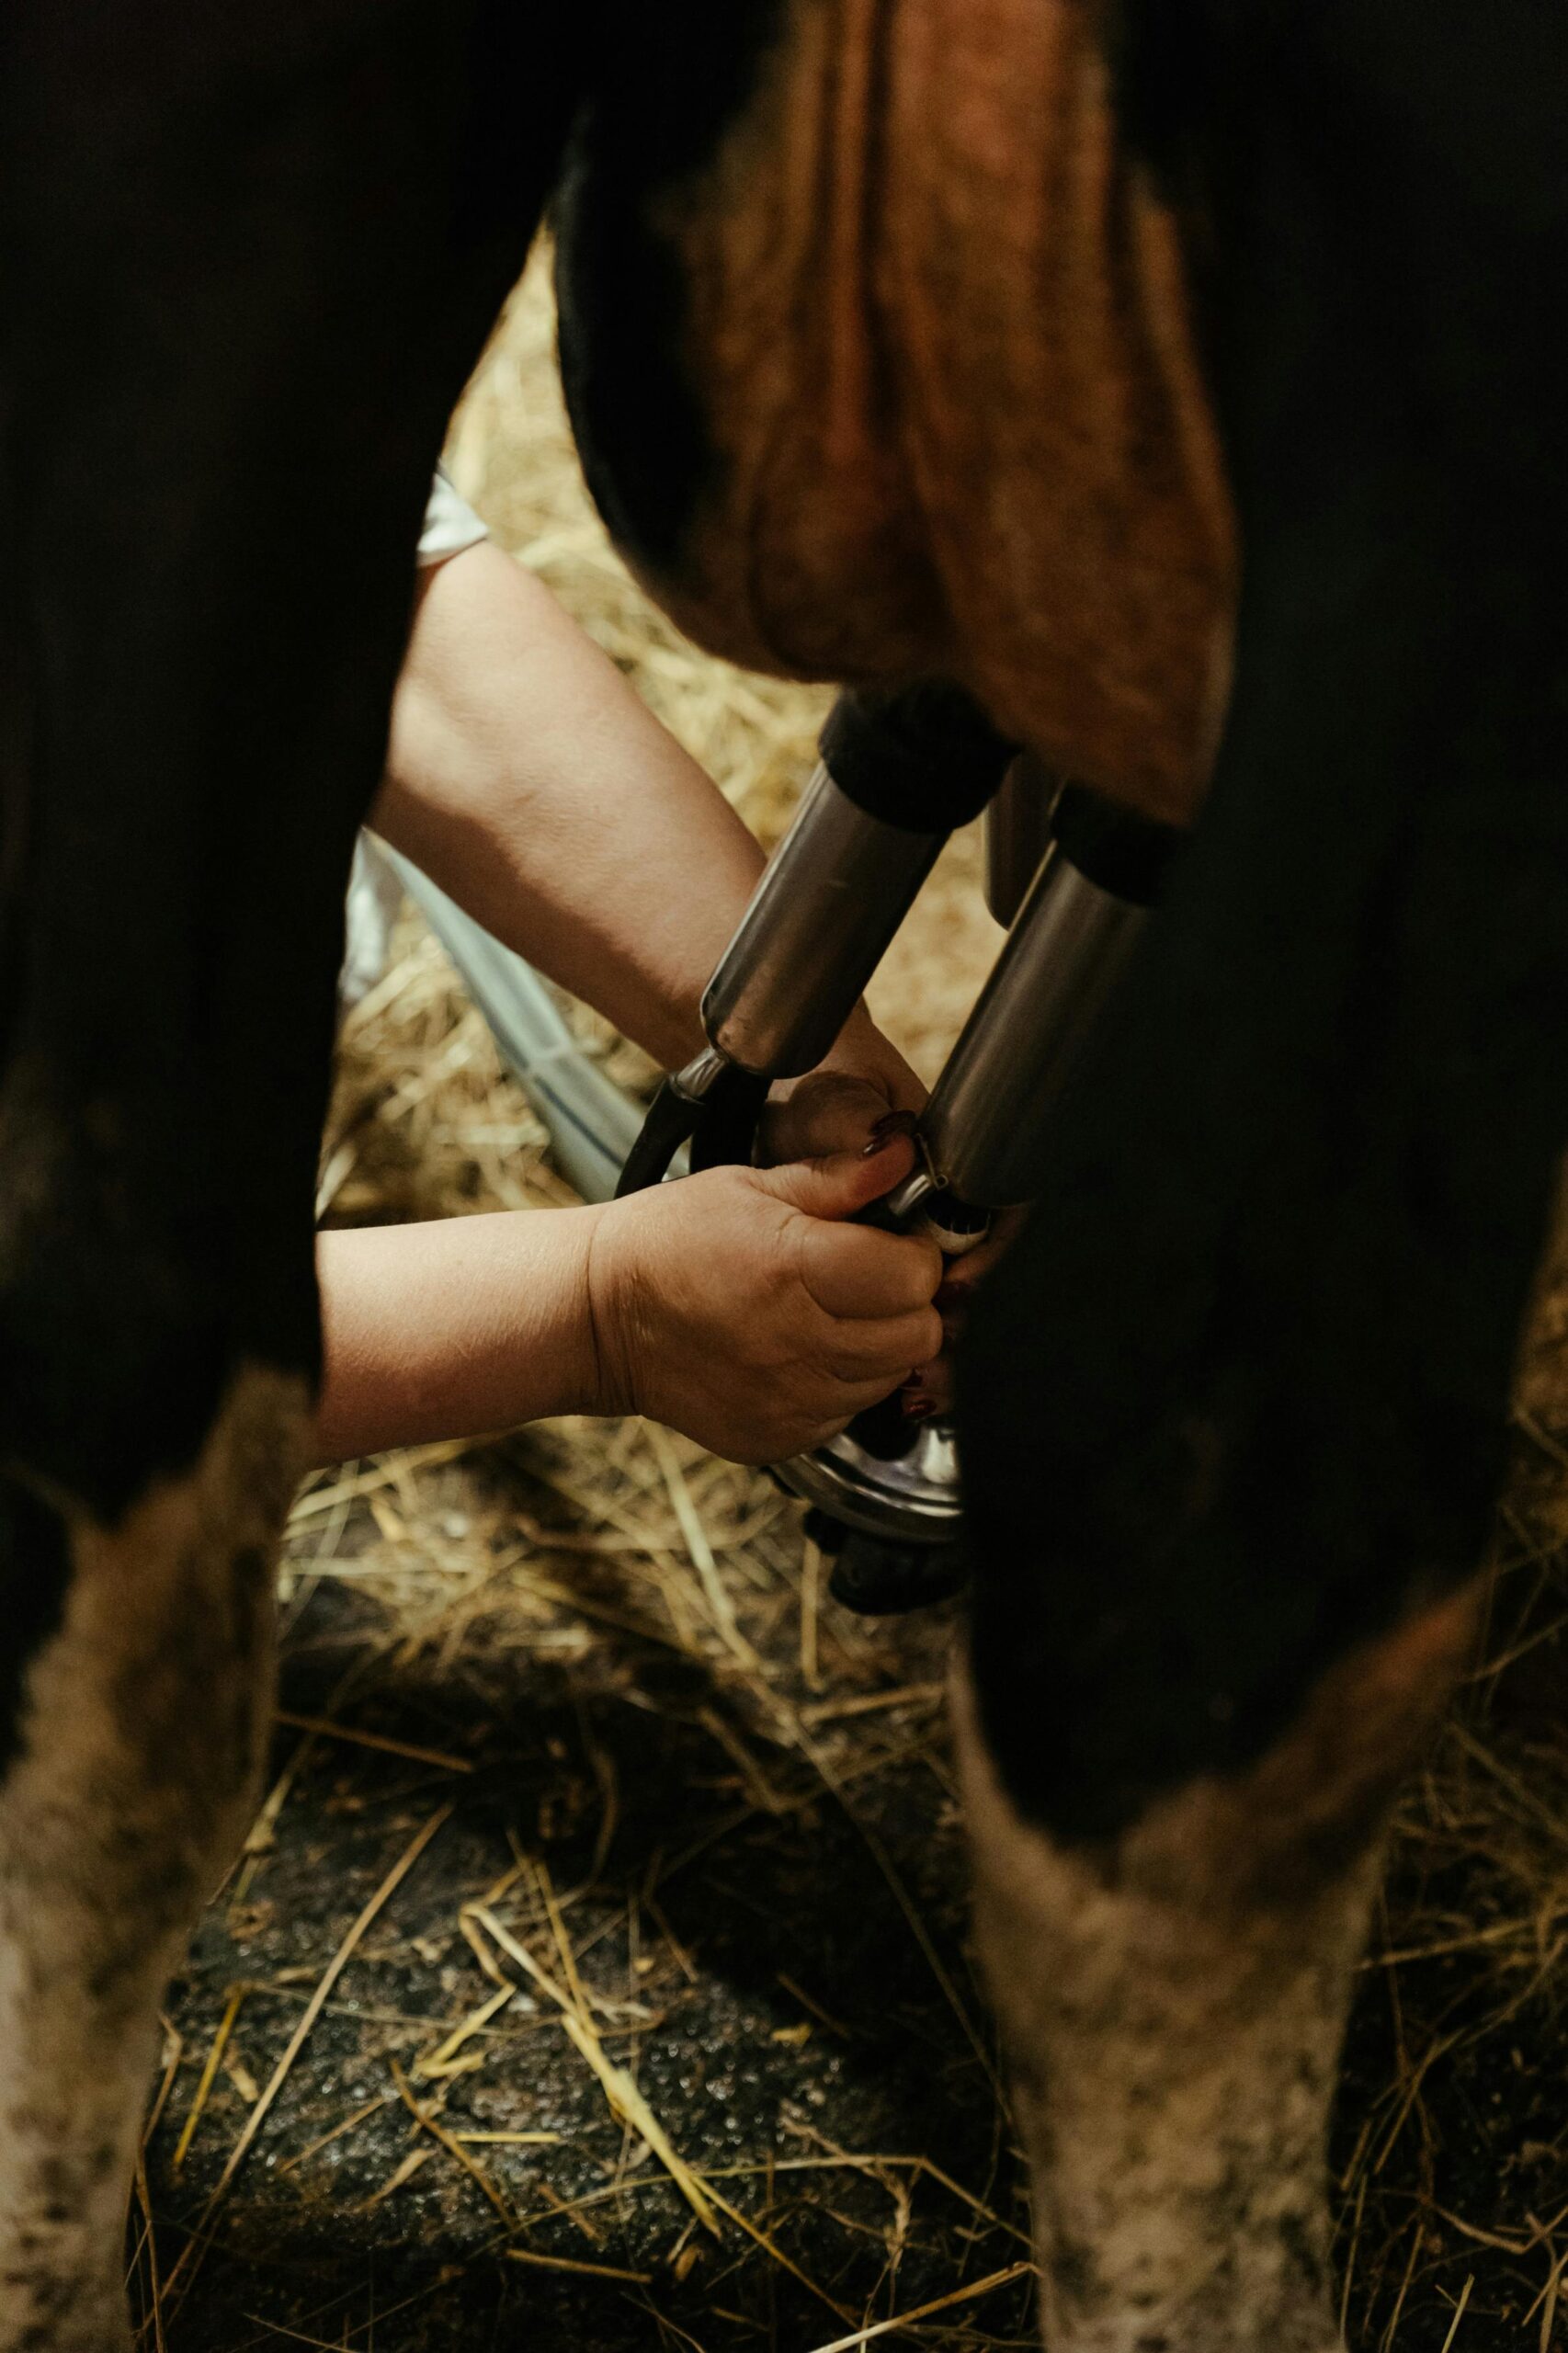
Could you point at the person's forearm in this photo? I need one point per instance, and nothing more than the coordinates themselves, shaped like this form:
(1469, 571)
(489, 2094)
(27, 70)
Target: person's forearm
(453, 1329)
(526, 777)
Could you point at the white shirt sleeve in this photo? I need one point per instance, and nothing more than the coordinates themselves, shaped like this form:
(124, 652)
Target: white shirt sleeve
(451, 523)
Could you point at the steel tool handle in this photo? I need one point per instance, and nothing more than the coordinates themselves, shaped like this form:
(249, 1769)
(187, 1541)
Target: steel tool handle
(898, 772)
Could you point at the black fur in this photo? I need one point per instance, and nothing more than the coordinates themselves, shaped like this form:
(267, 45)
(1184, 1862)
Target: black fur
(35, 1568)
(248, 269)
(1239, 1399)
(673, 81)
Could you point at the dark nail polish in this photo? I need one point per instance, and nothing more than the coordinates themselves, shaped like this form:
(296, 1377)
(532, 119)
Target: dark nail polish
(891, 1124)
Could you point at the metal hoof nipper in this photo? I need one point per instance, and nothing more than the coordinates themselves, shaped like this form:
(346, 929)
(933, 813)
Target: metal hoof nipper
(1075, 878)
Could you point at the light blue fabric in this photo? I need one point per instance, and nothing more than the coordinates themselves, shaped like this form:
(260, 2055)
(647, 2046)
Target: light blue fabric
(451, 523)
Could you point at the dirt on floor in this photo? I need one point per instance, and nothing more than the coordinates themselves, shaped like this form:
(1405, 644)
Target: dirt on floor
(597, 1971)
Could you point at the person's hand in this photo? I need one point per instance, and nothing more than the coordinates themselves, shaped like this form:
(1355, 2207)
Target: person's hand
(929, 1389)
(862, 1086)
(741, 1307)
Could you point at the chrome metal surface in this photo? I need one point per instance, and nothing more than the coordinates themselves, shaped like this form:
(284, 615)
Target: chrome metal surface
(904, 1200)
(835, 891)
(953, 1239)
(837, 894)
(985, 1127)
(1017, 832)
(916, 1498)
(697, 1080)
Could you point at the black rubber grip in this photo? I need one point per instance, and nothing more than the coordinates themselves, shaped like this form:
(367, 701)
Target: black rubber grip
(726, 1131)
(881, 1578)
(670, 1122)
(721, 1129)
(1126, 855)
(925, 757)
(884, 1430)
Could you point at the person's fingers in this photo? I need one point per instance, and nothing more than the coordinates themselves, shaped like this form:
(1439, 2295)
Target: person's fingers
(965, 1275)
(861, 1051)
(836, 1188)
(852, 1399)
(930, 1390)
(827, 1111)
(887, 1346)
(852, 1271)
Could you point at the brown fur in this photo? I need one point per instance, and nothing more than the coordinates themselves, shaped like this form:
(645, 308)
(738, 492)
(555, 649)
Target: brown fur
(144, 1720)
(941, 329)
(1174, 2009)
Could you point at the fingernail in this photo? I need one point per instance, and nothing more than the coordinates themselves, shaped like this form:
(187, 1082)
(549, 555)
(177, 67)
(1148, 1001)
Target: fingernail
(891, 1124)
(919, 1409)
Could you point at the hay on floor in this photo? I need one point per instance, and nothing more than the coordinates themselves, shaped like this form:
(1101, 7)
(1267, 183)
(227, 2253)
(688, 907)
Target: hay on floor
(680, 1940)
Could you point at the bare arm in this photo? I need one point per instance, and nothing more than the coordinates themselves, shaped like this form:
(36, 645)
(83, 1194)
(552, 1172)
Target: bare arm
(527, 780)
(526, 777)
(742, 1306)
(453, 1329)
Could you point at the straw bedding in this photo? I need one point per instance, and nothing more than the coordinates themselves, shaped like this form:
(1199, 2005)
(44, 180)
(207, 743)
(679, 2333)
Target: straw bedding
(596, 1966)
